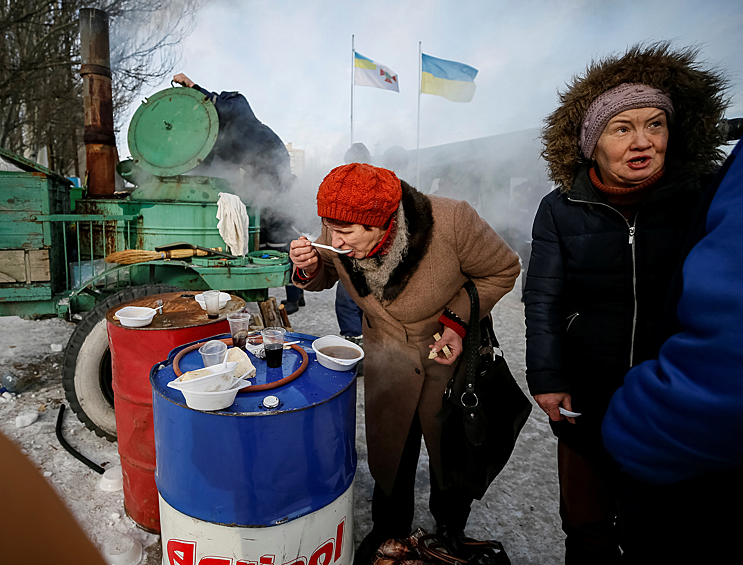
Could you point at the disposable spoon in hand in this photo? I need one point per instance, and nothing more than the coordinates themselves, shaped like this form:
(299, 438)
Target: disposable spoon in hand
(341, 251)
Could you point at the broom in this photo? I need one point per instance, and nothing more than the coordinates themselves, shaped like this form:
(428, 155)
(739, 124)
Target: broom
(131, 256)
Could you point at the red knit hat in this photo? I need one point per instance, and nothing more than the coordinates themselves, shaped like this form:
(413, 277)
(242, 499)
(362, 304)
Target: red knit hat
(360, 194)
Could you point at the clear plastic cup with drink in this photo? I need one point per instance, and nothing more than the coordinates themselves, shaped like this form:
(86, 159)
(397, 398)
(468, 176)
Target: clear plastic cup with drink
(239, 328)
(273, 343)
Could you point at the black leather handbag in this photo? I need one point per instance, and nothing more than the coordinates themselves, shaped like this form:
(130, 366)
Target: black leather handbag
(482, 412)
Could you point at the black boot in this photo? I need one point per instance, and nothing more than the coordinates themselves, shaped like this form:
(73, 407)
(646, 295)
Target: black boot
(488, 552)
(290, 307)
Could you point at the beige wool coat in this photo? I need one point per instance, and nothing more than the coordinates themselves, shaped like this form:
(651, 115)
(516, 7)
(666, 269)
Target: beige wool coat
(448, 242)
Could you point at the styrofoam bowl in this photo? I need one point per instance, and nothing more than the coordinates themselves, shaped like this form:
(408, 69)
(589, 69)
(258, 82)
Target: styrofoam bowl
(220, 379)
(209, 401)
(224, 298)
(135, 316)
(331, 362)
(112, 480)
(122, 551)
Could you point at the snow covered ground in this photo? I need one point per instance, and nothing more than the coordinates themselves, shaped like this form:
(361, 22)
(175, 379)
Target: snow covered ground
(520, 509)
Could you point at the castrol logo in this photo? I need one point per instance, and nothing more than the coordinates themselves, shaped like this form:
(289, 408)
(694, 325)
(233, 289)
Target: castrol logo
(185, 552)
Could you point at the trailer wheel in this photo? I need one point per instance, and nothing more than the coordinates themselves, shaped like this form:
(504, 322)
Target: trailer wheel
(87, 363)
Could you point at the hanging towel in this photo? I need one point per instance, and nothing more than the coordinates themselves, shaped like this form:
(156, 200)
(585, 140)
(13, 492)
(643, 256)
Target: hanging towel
(233, 222)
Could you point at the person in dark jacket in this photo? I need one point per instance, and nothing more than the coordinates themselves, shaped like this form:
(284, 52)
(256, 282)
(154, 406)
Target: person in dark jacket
(627, 148)
(675, 424)
(244, 141)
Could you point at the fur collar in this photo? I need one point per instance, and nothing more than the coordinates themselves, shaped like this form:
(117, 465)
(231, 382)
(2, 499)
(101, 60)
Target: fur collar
(419, 219)
(699, 99)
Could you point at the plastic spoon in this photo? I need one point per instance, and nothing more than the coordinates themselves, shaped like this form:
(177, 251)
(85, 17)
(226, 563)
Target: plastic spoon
(341, 251)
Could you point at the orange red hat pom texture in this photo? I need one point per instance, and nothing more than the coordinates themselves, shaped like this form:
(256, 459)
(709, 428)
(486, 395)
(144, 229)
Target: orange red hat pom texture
(360, 194)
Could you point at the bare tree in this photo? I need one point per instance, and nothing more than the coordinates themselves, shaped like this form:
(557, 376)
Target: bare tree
(40, 88)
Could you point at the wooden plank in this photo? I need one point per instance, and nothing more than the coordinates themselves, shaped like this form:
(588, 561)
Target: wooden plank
(13, 264)
(270, 313)
(39, 265)
(285, 318)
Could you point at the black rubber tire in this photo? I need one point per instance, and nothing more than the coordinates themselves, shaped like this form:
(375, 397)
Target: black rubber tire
(87, 377)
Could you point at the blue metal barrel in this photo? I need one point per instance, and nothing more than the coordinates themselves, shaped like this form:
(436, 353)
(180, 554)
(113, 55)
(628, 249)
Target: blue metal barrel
(252, 485)
(249, 466)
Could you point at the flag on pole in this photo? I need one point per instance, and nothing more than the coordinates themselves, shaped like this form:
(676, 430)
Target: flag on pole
(369, 73)
(454, 81)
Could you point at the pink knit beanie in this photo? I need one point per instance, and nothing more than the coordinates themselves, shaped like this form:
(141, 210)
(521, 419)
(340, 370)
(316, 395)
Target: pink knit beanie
(627, 96)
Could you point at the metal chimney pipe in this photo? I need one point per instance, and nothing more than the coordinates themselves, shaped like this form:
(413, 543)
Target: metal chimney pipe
(99, 138)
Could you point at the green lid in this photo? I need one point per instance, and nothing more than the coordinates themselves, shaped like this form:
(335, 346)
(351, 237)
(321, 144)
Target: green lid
(173, 131)
(268, 257)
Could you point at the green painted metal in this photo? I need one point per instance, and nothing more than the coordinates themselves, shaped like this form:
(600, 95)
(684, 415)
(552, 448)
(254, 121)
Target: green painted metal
(130, 172)
(25, 199)
(230, 278)
(29, 308)
(161, 223)
(173, 131)
(32, 167)
(18, 292)
(183, 188)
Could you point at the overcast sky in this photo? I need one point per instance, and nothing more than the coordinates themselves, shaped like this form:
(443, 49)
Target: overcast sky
(292, 60)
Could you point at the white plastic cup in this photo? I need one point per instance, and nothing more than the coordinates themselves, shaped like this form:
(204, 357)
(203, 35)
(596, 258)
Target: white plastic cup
(211, 301)
(213, 352)
(112, 480)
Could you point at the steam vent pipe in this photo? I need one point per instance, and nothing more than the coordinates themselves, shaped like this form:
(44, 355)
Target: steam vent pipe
(100, 141)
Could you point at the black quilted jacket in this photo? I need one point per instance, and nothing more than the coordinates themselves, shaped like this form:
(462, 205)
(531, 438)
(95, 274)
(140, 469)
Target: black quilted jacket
(595, 291)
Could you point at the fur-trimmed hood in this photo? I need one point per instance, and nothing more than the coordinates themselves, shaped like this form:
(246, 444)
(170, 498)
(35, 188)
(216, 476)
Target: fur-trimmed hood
(419, 218)
(698, 95)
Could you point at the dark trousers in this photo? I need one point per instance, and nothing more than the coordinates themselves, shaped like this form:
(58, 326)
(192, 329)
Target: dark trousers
(588, 507)
(393, 515)
(693, 522)
(348, 313)
(293, 294)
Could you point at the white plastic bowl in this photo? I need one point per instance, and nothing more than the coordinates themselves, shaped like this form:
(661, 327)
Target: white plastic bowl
(220, 379)
(224, 298)
(112, 480)
(135, 316)
(332, 362)
(209, 401)
(122, 551)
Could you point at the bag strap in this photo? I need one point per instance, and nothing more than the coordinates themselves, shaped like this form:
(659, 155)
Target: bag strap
(467, 363)
(431, 549)
(469, 398)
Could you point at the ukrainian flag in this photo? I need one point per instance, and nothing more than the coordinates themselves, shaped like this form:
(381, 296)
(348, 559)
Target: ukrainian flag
(454, 81)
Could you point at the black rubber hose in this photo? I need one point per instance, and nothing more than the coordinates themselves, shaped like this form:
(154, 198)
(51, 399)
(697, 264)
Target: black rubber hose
(69, 449)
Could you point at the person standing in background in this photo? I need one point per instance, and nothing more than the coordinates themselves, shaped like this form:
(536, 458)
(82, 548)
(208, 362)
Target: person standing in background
(348, 314)
(629, 148)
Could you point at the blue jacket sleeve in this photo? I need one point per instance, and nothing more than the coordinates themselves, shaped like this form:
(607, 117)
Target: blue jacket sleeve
(679, 416)
(545, 322)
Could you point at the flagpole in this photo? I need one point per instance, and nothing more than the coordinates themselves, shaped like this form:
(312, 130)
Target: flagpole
(418, 137)
(353, 62)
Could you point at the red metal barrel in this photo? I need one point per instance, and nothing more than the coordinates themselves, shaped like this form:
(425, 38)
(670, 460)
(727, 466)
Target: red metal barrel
(134, 351)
